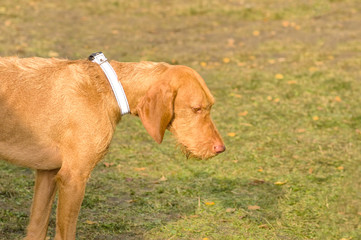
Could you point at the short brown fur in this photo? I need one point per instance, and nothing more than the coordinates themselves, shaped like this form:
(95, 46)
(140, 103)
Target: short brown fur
(58, 117)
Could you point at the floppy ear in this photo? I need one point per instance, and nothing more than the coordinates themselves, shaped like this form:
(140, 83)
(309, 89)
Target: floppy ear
(156, 110)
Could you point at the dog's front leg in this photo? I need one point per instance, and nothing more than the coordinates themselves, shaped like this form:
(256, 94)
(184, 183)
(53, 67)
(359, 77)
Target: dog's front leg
(44, 193)
(71, 184)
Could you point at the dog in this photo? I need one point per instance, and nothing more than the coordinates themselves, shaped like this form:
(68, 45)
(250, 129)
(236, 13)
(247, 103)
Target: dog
(58, 117)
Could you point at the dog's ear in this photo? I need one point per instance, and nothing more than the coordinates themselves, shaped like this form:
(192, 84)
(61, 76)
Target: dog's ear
(156, 110)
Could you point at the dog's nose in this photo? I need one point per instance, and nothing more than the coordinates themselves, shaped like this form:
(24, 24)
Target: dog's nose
(219, 148)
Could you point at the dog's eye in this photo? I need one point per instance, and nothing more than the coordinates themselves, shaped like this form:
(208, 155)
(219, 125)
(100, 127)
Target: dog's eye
(197, 109)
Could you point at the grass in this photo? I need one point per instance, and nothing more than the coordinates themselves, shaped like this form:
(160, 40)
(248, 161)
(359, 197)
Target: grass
(286, 76)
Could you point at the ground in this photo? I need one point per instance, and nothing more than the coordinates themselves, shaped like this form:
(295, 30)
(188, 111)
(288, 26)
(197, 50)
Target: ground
(286, 78)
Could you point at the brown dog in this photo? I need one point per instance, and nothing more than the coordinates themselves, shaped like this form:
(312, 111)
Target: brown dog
(58, 117)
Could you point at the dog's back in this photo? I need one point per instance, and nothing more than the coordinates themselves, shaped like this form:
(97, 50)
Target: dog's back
(38, 99)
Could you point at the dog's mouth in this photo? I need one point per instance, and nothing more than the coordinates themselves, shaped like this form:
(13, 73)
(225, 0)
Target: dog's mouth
(190, 153)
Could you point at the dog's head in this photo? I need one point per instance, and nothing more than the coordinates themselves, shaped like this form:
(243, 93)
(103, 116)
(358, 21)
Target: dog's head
(181, 102)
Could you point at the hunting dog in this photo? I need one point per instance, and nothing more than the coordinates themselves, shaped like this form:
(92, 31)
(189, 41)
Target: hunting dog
(58, 117)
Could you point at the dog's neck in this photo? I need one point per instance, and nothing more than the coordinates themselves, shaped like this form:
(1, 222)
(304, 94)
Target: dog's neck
(142, 75)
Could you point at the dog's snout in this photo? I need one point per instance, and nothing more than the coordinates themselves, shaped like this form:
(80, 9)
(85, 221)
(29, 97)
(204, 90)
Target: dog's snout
(219, 148)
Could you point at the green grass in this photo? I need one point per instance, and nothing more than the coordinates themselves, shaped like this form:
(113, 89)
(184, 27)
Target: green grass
(302, 127)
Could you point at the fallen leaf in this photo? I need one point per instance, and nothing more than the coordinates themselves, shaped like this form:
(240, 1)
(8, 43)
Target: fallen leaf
(230, 42)
(53, 54)
(226, 60)
(230, 210)
(276, 100)
(312, 69)
(315, 118)
(271, 61)
(310, 171)
(256, 33)
(340, 168)
(253, 207)
(90, 222)
(300, 130)
(292, 82)
(203, 64)
(162, 179)
(205, 238)
(209, 203)
(106, 164)
(7, 23)
(279, 76)
(264, 226)
(269, 98)
(139, 169)
(241, 64)
(243, 113)
(257, 182)
(260, 170)
(285, 23)
(231, 134)
(280, 183)
(338, 99)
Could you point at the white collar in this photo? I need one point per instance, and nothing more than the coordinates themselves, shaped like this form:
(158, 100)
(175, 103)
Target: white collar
(118, 90)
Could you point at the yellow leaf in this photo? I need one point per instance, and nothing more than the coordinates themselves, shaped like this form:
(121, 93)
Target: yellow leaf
(246, 124)
(271, 61)
(269, 98)
(338, 99)
(292, 82)
(285, 23)
(237, 95)
(7, 23)
(340, 168)
(226, 60)
(139, 169)
(53, 54)
(279, 76)
(312, 69)
(90, 222)
(300, 130)
(230, 42)
(315, 118)
(256, 33)
(276, 100)
(280, 183)
(243, 113)
(230, 210)
(209, 203)
(260, 170)
(241, 64)
(205, 238)
(203, 64)
(231, 134)
(254, 207)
